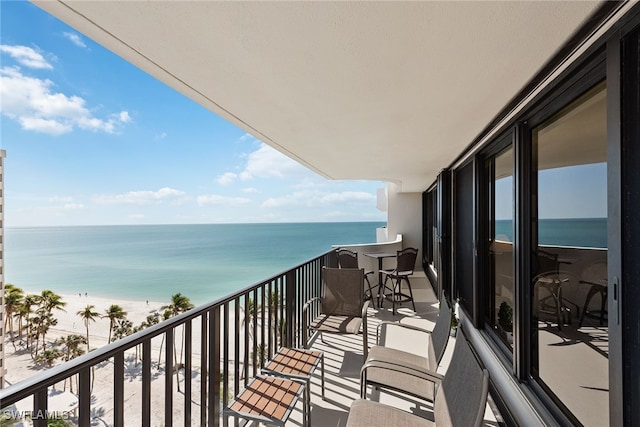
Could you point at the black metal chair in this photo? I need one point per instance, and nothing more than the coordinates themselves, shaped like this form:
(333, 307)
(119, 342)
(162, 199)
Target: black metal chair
(342, 306)
(551, 280)
(596, 277)
(405, 263)
(349, 259)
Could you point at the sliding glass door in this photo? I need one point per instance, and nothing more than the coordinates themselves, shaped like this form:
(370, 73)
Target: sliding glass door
(570, 345)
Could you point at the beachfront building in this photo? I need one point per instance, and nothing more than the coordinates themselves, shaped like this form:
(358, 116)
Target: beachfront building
(508, 133)
(3, 370)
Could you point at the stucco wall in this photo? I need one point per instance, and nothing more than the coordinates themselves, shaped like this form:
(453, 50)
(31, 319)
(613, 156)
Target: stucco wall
(404, 216)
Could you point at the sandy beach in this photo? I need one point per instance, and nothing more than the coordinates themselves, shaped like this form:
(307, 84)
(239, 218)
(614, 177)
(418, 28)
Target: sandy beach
(20, 364)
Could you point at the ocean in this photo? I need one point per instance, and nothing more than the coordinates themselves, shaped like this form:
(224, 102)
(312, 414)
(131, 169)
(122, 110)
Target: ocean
(576, 232)
(153, 262)
(203, 262)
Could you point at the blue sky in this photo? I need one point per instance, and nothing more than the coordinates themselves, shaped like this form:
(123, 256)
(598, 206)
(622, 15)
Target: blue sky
(90, 139)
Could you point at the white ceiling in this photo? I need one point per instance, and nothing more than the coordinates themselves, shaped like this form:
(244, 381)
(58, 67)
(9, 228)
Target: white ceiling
(389, 91)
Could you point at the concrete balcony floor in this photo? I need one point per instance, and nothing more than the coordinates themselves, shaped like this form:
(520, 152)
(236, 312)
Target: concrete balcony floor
(343, 360)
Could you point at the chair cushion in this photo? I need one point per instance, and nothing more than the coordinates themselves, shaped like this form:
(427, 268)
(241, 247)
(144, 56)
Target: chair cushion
(364, 413)
(399, 381)
(399, 357)
(337, 324)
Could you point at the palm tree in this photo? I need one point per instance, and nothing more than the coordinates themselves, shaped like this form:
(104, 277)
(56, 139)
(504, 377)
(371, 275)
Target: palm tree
(179, 304)
(122, 328)
(48, 356)
(41, 324)
(113, 313)
(166, 314)
(151, 320)
(21, 313)
(247, 319)
(12, 301)
(51, 301)
(279, 326)
(29, 302)
(88, 315)
(71, 349)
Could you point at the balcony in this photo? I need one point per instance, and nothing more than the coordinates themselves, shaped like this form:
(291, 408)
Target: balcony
(212, 364)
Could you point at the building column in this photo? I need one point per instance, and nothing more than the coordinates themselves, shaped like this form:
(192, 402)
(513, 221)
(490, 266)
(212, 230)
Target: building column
(3, 370)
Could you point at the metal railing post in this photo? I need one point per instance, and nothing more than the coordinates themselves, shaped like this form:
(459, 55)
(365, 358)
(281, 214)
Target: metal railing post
(118, 389)
(39, 417)
(84, 394)
(290, 308)
(279, 298)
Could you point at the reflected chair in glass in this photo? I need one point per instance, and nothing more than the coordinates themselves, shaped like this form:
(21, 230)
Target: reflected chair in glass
(374, 373)
(460, 397)
(551, 280)
(405, 263)
(349, 259)
(595, 276)
(343, 309)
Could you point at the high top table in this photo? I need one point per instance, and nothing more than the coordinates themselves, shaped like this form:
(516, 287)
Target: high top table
(380, 256)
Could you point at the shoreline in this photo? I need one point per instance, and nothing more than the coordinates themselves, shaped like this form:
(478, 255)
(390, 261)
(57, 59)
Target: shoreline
(21, 366)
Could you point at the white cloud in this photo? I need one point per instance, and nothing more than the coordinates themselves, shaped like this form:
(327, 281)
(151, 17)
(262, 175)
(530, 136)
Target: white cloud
(249, 190)
(124, 117)
(141, 198)
(160, 136)
(26, 56)
(65, 199)
(215, 199)
(319, 199)
(50, 127)
(75, 39)
(74, 206)
(266, 162)
(227, 178)
(31, 102)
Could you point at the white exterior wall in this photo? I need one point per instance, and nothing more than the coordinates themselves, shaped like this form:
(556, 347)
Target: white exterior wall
(2, 314)
(404, 216)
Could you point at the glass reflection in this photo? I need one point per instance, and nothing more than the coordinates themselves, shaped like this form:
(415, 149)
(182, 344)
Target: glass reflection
(501, 305)
(569, 265)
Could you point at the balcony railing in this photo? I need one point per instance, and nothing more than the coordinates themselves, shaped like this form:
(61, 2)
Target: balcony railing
(224, 343)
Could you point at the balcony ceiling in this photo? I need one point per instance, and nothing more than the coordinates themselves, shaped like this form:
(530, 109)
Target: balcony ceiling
(354, 90)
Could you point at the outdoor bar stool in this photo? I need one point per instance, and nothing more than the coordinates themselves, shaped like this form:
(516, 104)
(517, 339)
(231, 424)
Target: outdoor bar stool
(405, 262)
(299, 364)
(269, 400)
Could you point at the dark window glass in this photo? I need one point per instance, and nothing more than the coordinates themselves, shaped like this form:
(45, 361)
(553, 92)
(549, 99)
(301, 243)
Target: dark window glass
(464, 238)
(499, 301)
(569, 258)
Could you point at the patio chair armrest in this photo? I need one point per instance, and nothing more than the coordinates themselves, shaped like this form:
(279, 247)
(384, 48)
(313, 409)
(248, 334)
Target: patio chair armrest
(365, 307)
(404, 368)
(308, 304)
(398, 324)
(305, 320)
(365, 330)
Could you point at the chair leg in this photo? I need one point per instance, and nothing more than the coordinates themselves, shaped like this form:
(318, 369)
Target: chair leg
(382, 286)
(373, 302)
(559, 316)
(410, 293)
(393, 293)
(603, 303)
(592, 292)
